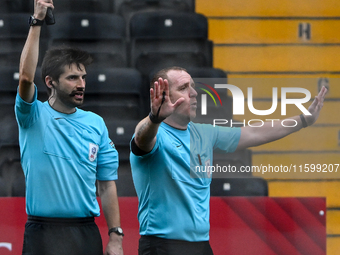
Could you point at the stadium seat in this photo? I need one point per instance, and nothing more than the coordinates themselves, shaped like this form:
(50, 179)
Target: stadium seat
(18, 185)
(253, 186)
(13, 33)
(101, 34)
(114, 93)
(125, 186)
(236, 160)
(10, 169)
(3, 188)
(42, 88)
(207, 72)
(121, 132)
(11, 6)
(218, 103)
(162, 39)
(127, 8)
(8, 88)
(78, 6)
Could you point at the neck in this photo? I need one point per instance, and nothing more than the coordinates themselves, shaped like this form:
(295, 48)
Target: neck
(182, 125)
(60, 107)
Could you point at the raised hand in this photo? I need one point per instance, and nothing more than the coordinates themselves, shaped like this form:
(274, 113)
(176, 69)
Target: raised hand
(161, 105)
(40, 8)
(315, 107)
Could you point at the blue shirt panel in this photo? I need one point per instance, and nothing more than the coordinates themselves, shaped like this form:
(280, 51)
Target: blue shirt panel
(174, 203)
(62, 155)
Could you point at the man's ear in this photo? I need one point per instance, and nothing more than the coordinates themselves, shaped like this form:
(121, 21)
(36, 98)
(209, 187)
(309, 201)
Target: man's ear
(49, 82)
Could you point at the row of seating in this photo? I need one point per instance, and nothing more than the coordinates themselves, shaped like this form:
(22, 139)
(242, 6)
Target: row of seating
(122, 7)
(157, 39)
(128, 47)
(117, 94)
(12, 180)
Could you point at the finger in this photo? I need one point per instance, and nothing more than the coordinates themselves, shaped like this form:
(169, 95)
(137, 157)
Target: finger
(152, 93)
(322, 93)
(156, 88)
(161, 87)
(50, 6)
(166, 87)
(325, 90)
(46, 4)
(318, 103)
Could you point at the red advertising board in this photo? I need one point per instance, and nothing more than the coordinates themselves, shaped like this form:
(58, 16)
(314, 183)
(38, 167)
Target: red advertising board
(239, 225)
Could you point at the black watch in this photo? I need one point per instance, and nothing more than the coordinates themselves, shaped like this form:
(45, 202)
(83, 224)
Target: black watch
(35, 22)
(117, 230)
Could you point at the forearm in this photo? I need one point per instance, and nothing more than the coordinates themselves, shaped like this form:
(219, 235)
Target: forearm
(145, 134)
(270, 131)
(30, 53)
(110, 205)
(28, 64)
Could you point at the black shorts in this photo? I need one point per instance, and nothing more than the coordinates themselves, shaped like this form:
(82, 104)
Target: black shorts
(57, 236)
(151, 245)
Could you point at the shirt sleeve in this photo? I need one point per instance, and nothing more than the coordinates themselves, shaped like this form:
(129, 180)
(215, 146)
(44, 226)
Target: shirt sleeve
(108, 160)
(226, 138)
(26, 113)
(139, 153)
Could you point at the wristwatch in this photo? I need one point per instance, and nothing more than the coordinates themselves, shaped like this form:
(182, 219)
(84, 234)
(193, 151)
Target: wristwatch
(35, 22)
(117, 230)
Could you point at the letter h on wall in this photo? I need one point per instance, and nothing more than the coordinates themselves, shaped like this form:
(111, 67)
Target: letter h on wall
(305, 31)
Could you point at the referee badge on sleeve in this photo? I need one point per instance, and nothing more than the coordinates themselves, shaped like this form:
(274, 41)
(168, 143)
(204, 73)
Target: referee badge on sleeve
(93, 150)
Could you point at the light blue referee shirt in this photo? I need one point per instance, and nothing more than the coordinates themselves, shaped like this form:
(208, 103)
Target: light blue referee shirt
(62, 155)
(174, 201)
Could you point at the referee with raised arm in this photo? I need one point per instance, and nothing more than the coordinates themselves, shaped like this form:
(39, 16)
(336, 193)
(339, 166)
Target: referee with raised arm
(64, 151)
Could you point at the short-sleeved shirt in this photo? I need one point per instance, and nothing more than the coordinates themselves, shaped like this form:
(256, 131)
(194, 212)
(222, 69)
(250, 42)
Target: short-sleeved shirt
(62, 155)
(173, 199)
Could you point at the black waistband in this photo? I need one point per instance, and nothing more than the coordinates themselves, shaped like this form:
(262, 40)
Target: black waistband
(60, 221)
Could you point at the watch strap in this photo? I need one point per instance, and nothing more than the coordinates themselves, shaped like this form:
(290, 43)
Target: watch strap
(117, 230)
(35, 22)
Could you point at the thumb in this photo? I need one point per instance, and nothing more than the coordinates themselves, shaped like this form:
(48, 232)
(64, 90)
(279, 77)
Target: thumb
(178, 102)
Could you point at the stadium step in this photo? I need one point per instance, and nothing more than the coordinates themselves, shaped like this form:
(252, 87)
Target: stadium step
(263, 86)
(333, 222)
(327, 116)
(298, 164)
(238, 59)
(311, 139)
(273, 31)
(307, 188)
(333, 245)
(284, 8)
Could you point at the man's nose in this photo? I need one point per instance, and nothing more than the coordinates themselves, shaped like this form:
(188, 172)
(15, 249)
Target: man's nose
(193, 92)
(81, 83)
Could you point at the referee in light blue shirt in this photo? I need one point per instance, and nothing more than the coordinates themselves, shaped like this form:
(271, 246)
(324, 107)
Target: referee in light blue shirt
(64, 150)
(167, 147)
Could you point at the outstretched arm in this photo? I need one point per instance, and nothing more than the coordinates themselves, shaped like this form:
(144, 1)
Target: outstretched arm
(251, 136)
(161, 108)
(30, 52)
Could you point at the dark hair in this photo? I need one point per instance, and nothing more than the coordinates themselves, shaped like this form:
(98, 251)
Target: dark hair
(56, 59)
(164, 74)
